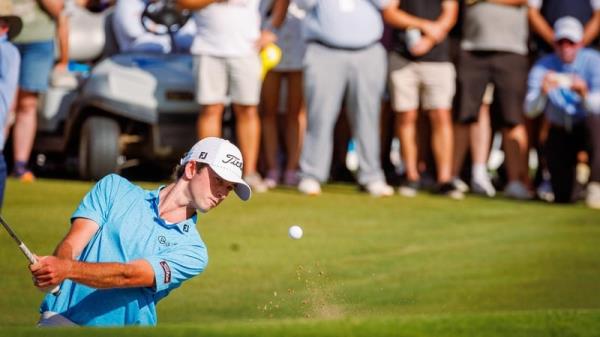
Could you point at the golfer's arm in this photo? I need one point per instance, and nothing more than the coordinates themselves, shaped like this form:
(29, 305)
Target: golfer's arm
(138, 273)
(81, 232)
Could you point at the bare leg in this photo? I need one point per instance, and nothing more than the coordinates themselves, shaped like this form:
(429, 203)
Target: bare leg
(25, 125)
(248, 135)
(481, 136)
(441, 133)
(270, 107)
(406, 131)
(295, 120)
(515, 147)
(461, 144)
(210, 121)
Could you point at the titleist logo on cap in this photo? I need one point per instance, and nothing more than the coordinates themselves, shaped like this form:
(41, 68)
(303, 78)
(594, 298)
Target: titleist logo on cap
(233, 160)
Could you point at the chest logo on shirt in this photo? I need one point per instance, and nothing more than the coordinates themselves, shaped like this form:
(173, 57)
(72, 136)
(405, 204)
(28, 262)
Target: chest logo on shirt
(163, 241)
(167, 271)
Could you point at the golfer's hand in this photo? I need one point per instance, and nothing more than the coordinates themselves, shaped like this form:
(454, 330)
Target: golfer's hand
(50, 271)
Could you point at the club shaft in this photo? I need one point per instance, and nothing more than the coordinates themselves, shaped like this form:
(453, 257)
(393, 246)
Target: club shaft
(10, 231)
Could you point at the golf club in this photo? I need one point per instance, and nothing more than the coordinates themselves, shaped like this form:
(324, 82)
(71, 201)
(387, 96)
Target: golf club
(24, 249)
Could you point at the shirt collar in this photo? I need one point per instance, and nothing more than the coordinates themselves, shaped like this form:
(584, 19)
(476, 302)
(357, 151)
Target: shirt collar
(184, 226)
(4, 38)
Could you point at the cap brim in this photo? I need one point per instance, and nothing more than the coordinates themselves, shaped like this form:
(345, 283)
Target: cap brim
(566, 36)
(241, 188)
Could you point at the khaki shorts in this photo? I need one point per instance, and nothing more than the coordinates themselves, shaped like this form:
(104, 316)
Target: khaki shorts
(430, 85)
(220, 79)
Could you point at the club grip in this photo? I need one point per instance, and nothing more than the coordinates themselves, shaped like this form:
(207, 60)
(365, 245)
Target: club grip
(32, 259)
(27, 253)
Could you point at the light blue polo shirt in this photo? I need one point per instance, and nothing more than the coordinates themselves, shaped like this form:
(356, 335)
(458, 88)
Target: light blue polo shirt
(130, 229)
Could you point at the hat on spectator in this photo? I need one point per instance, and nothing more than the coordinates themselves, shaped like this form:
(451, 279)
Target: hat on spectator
(14, 22)
(224, 158)
(568, 28)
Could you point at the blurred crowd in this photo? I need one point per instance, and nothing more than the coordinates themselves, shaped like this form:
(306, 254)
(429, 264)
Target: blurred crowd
(414, 95)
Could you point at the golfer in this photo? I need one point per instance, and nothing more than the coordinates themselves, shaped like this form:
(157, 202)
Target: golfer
(128, 247)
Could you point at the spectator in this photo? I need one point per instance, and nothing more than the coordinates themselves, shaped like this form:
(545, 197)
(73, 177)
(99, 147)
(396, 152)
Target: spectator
(133, 37)
(565, 86)
(344, 61)
(478, 140)
(421, 75)
(544, 13)
(227, 63)
(10, 26)
(542, 16)
(36, 46)
(289, 69)
(494, 50)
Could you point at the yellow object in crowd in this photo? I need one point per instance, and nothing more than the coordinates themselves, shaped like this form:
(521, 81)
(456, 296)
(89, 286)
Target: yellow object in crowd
(270, 57)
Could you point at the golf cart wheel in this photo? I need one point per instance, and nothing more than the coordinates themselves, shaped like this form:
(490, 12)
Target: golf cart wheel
(99, 147)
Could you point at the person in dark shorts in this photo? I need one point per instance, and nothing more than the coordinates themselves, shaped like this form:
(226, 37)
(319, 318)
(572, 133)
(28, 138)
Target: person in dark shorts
(494, 50)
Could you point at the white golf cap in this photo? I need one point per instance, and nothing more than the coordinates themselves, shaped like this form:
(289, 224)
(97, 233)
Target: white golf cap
(568, 28)
(224, 158)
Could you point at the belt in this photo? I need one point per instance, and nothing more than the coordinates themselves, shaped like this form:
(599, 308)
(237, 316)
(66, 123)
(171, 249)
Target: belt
(328, 45)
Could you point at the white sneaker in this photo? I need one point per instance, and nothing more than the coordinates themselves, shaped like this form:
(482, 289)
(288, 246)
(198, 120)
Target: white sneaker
(483, 186)
(516, 190)
(409, 189)
(592, 200)
(309, 186)
(544, 191)
(460, 185)
(256, 183)
(379, 188)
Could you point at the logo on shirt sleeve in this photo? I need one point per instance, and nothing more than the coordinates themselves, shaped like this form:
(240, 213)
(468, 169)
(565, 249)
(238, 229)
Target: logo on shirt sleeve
(167, 271)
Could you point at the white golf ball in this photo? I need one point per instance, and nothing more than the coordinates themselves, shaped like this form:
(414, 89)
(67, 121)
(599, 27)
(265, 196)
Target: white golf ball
(295, 232)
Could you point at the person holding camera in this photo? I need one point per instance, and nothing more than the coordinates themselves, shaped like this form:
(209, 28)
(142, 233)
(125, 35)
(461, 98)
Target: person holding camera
(565, 86)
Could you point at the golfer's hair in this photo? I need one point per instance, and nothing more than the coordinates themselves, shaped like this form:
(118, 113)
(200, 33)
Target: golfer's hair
(180, 169)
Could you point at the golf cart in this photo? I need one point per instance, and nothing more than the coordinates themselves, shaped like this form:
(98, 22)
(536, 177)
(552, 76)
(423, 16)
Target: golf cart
(128, 109)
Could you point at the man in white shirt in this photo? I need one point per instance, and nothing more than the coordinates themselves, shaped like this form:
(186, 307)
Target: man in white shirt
(227, 67)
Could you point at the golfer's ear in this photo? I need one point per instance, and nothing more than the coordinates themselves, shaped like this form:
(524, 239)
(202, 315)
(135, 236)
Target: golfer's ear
(190, 169)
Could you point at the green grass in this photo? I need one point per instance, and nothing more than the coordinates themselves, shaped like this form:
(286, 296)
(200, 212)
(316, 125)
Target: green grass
(426, 266)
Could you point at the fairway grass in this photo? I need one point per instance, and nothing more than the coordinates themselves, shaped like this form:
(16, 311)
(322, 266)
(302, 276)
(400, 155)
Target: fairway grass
(426, 266)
